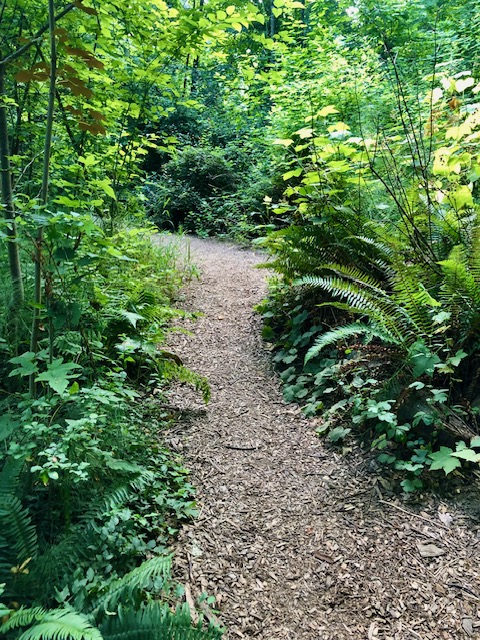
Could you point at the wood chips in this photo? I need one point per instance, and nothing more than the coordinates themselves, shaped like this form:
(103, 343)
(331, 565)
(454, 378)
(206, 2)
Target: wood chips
(293, 539)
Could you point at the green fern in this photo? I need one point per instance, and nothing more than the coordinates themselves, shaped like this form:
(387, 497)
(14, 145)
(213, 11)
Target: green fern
(18, 536)
(460, 289)
(171, 370)
(366, 299)
(53, 624)
(346, 332)
(301, 250)
(155, 621)
(129, 589)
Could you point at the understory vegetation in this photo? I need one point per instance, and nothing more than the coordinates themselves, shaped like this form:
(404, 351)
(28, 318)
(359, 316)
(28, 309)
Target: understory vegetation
(363, 123)
(340, 137)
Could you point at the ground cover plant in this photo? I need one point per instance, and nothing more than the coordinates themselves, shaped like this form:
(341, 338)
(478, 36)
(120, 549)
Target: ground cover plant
(374, 318)
(90, 498)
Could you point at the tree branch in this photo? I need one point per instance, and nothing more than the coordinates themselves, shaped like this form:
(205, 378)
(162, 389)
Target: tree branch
(16, 54)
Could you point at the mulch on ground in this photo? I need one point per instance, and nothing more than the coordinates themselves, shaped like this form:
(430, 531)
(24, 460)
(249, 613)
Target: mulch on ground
(295, 540)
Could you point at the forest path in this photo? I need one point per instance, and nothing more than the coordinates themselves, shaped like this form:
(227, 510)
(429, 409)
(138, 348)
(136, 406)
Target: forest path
(293, 539)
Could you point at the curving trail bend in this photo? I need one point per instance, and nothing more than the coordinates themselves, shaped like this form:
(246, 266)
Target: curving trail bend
(293, 539)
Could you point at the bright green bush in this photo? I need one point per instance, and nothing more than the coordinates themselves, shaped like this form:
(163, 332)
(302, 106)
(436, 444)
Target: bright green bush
(403, 277)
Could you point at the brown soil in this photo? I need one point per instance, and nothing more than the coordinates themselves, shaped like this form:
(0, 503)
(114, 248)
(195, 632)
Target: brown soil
(293, 539)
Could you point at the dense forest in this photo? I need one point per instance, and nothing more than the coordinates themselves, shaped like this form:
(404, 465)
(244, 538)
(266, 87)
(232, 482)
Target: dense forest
(341, 139)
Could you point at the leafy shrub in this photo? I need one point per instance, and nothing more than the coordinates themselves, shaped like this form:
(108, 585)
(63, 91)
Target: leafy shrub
(212, 191)
(405, 286)
(87, 492)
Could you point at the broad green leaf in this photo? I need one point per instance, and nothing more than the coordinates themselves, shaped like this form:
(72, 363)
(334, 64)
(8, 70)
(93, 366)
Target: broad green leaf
(326, 111)
(8, 424)
(132, 318)
(291, 174)
(285, 142)
(339, 433)
(467, 454)
(27, 364)
(464, 83)
(461, 197)
(58, 375)
(106, 186)
(340, 127)
(306, 132)
(411, 485)
(444, 459)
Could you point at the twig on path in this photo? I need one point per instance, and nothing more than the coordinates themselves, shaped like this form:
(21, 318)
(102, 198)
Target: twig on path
(237, 448)
(191, 604)
(415, 515)
(463, 588)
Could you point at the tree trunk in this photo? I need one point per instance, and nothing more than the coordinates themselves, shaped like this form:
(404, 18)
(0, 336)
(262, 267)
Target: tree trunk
(44, 191)
(7, 200)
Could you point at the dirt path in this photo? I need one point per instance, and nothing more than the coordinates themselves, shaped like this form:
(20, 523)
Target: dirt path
(294, 539)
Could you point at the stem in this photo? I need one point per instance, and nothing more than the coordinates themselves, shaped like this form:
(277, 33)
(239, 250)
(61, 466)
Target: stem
(7, 201)
(46, 27)
(44, 190)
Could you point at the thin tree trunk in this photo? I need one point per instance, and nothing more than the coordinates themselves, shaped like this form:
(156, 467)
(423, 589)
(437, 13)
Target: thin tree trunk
(7, 201)
(44, 189)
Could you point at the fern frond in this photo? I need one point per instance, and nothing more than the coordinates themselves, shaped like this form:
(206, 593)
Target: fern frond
(155, 621)
(345, 332)
(379, 307)
(61, 624)
(128, 588)
(459, 281)
(18, 536)
(355, 275)
(474, 254)
(170, 370)
(22, 618)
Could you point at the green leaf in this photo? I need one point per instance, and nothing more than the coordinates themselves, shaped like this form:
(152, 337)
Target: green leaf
(444, 459)
(132, 318)
(306, 132)
(339, 433)
(58, 375)
(294, 173)
(424, 363)
(106, 186)
(75, 388)
(27, 365)
(455, 360)
(285, 142)
(326, 111)
(465, 453)
(411, 485)
(8, 424)
(461, 197)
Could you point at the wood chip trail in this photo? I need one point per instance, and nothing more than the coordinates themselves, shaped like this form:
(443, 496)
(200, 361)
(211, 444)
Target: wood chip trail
(294, 540)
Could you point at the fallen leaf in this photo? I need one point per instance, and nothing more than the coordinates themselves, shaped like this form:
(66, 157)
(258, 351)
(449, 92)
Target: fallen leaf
(430, 550)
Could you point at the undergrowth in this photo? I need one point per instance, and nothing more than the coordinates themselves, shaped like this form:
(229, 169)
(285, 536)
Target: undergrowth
(374, 317)
(90, 498)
